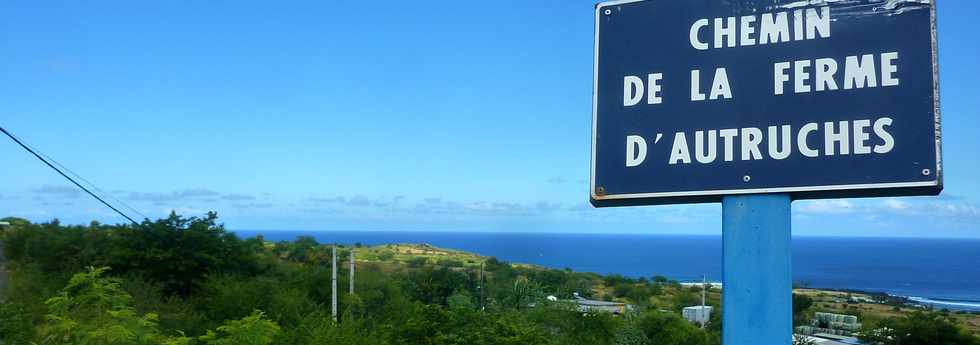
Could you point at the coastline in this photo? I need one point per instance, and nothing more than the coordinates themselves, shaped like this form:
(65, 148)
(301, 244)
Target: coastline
(828, 263)
(911, 301)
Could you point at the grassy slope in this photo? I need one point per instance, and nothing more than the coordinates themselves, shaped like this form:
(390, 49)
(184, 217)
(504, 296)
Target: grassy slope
(396, 256)
(829, 301)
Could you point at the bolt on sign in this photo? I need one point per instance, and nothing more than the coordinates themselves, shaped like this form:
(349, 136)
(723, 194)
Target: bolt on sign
(693, 100)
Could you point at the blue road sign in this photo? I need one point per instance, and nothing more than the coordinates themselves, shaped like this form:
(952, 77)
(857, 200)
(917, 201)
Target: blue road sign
(697, 99)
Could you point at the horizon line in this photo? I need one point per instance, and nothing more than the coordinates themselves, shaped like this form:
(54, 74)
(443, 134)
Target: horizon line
(597, 233)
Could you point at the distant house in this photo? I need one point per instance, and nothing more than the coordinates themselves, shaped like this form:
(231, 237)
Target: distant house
(830, 339)
(832, 324)
(861, 299)
(592, 306)
(697, 314)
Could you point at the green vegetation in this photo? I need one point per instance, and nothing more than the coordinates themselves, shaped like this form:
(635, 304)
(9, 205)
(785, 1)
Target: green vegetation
(188, 281)
(801, 303)
(881, 311)
(918, 328)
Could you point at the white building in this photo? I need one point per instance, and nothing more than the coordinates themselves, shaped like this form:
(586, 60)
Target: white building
(697, 314)
(592, 306)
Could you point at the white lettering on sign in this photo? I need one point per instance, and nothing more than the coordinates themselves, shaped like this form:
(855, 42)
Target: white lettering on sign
(859, 73)
(751, 138)
(780, 152)
(679, 153)
(815, 140)
(636, 150)
(705, 154)
(833, 138)
(888, 142)
(720, 87)
(803, 138)
(728, 138)
(775, 28)
(731, 32)
(633, 89)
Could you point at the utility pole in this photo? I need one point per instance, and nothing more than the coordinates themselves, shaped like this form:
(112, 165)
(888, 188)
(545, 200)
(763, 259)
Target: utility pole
(350, 305)
(352, 271)
(480, 286)
(333, 289)
(704, 294)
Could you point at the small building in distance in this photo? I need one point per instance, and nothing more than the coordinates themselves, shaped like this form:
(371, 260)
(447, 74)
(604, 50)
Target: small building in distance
(592, 306)
(831, 324)
(697, 314)
(827, 339)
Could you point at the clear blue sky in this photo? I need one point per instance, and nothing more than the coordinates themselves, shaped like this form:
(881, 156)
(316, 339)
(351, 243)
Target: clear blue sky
(370, 115)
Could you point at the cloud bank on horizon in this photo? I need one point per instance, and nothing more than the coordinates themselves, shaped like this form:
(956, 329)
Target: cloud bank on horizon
(947, 216)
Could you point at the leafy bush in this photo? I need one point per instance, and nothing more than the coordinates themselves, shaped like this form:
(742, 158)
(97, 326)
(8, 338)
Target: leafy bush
(671, 329)
(449, 263)
(417, 262)
(254, 329)
(925, 328)
(93, 309)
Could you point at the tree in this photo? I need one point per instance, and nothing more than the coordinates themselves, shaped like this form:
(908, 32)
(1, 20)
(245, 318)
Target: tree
(524, 293)
(800, 304)
(460, 299)
(570, 326)
(630, 335)
(300, 250)
(418, 262)
(180, 252)
(254, 329)
(93, 309)
(16, 222)
(918, 328)
(318, 328)
(434, 285)
(686, 298)
(670, 329)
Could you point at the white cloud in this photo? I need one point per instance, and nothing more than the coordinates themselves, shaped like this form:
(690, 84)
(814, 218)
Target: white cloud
(59, 191)
(910, 207)
(895, 204)
(828, 206)
(238, 197)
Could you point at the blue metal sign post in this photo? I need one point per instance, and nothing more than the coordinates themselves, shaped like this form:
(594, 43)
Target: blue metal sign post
(756, 267)
(754, 104)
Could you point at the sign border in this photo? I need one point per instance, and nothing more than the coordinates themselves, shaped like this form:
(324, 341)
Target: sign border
(933, 187)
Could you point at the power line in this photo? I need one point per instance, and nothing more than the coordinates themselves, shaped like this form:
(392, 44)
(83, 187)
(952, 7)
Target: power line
(93, 185)
(12, 137)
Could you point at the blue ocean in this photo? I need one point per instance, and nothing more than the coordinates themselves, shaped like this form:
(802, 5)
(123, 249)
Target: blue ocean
(941, 272)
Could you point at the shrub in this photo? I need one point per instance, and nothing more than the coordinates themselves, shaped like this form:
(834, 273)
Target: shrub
(254, 329)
